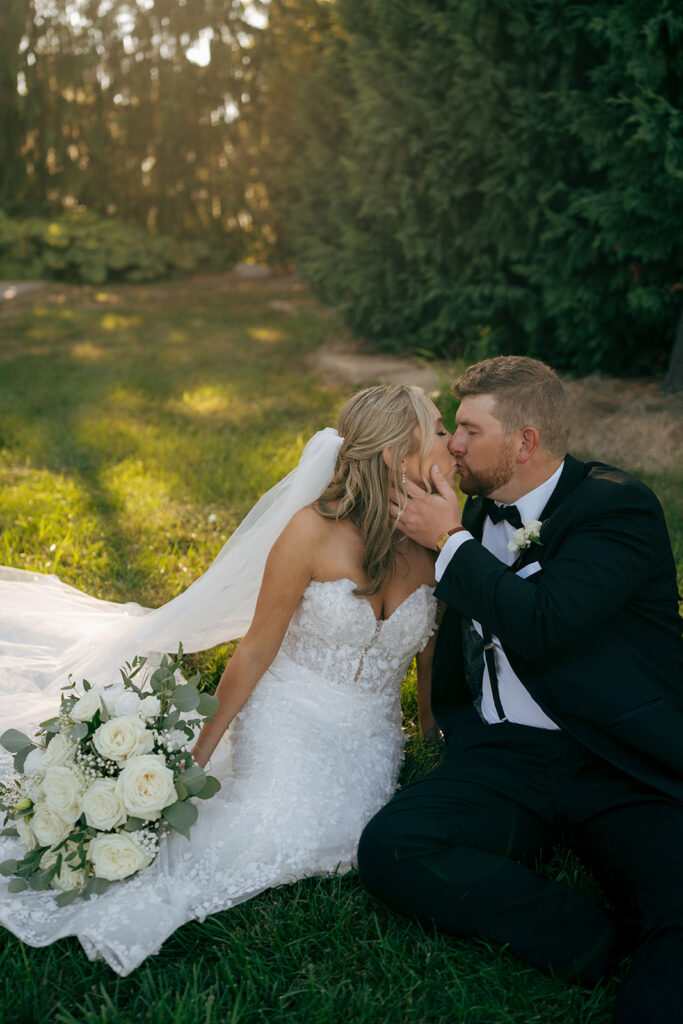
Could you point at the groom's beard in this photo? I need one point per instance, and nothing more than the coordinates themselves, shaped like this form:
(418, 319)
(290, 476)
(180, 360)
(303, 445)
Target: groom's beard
(485, 481)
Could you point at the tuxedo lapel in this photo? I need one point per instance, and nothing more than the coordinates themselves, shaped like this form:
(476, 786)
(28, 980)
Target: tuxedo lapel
(571, 476)
(473, 516)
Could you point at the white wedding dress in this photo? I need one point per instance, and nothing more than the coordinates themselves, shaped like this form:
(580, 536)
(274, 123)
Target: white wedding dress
(313, 754)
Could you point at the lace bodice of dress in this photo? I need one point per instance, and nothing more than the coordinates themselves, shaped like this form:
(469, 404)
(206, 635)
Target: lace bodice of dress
(337, 636)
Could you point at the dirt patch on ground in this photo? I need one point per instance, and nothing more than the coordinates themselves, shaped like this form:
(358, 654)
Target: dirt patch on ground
(627, 422)
(340, 362)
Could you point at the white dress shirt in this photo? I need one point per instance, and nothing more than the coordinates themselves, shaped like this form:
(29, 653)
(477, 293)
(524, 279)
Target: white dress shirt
(518, 704)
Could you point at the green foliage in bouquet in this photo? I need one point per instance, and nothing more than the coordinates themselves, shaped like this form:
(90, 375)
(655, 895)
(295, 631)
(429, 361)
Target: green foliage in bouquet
(107, 778)
(83, 247)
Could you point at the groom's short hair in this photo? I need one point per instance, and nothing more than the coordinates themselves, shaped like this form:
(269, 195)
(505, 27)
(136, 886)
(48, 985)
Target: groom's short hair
(527, 394)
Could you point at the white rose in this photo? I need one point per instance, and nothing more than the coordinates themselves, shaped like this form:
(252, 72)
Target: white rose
(120, 738)
(25, 833)
(126, 703)
(110, 695)
(103, 809)
(62, 791)
(68, 878)
(145, 786)
(150, 707)
(116, 856)
(48, 827)
(33, 765)
(85, 708)
(32, 786)
(60, 750)
(518, 540)
(533, 528)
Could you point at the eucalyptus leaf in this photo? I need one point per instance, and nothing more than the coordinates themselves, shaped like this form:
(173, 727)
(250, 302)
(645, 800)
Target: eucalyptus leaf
(17, 885)
(54, 869)
(133, 668)
(48, 722)
(170, 720)
(211, 787)
(134, 824)
(208, 704)
(94, 887)
(182, 791)
(181, 816)
(9, 867)
(186, 698)
(65, 898)
(14, 741)
(20, 758)
(193, 778)
(159, 680)
(9, 832)
(40, 880)
(79, 732)
(30, 862)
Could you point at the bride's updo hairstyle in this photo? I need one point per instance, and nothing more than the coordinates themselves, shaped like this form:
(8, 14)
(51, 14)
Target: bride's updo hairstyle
(385, 416)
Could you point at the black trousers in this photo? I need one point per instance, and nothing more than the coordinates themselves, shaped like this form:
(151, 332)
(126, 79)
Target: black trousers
(454, 848)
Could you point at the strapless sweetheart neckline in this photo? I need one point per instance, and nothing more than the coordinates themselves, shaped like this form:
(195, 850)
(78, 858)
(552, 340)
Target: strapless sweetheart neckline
(365, 601)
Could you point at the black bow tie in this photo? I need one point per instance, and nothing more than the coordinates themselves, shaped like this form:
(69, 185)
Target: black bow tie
(498, 512)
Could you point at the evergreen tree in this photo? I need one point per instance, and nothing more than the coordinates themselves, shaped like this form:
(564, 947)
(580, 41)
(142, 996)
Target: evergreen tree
(510, 175)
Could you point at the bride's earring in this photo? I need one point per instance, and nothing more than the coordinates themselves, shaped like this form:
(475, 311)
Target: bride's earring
(403, 477)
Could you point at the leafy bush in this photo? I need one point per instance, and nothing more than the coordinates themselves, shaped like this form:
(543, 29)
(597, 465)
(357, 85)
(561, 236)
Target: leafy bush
(502, 177)
(83, 247)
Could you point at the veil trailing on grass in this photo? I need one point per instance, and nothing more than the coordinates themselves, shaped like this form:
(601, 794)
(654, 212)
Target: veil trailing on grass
(49, 630)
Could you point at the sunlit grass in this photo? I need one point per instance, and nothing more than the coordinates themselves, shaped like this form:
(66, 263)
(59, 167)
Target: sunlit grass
(138, 427)
(150, 419)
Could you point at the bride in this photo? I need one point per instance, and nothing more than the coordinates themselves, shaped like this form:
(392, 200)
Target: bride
(334, 603)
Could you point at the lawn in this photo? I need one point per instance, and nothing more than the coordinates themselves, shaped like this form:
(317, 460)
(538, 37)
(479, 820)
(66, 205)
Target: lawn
(138, 426)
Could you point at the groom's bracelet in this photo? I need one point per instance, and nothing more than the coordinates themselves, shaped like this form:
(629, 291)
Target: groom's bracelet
(444, 536)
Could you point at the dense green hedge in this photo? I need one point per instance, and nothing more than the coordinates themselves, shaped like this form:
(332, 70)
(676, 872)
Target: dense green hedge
(83, 247)
(482, 176)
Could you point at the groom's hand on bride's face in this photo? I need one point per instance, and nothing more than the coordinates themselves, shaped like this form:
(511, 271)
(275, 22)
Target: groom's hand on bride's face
(424, 516)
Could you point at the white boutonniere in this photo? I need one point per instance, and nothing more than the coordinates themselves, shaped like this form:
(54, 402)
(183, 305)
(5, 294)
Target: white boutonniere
(526, 535)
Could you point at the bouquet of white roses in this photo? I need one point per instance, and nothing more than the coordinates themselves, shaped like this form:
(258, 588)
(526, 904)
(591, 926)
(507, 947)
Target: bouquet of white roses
(104, 780)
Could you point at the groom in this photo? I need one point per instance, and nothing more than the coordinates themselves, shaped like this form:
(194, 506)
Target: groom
(558, 686)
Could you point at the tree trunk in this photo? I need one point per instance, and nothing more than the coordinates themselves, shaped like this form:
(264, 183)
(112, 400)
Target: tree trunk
(14, 17)
(674, 378)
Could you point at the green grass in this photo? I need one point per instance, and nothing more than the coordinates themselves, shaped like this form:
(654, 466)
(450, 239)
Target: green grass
(130, 417)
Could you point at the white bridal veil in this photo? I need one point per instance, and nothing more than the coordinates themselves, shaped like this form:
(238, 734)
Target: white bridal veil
(49, 630)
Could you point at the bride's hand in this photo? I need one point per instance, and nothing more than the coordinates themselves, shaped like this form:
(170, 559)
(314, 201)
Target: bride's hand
(197, 757)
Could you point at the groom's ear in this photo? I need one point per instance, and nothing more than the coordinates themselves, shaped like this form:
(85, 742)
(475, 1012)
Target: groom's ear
(528, 443)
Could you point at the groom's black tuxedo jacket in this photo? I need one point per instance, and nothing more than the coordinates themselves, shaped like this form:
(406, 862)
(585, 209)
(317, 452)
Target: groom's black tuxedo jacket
(595, 636)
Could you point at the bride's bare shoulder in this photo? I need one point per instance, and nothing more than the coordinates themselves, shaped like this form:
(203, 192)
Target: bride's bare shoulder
(308, 524)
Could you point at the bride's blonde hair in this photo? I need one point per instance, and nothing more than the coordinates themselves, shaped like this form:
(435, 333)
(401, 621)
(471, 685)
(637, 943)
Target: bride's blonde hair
(380, 417)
